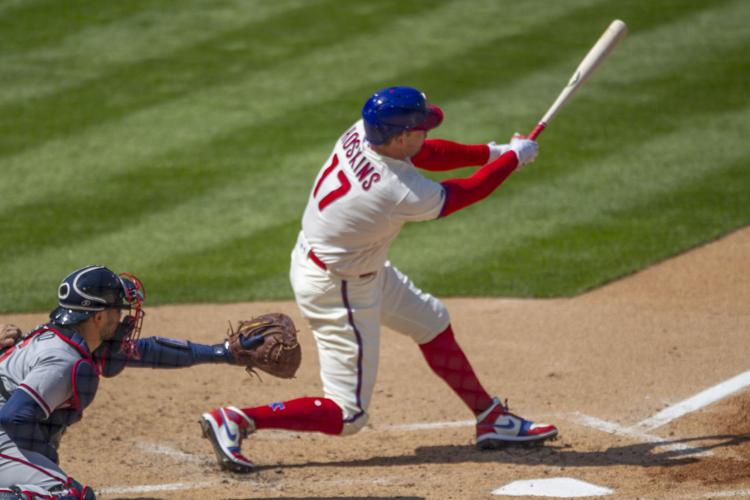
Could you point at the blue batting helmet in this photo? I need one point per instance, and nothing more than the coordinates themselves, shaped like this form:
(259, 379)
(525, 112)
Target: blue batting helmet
(91, 289)
(393, 110)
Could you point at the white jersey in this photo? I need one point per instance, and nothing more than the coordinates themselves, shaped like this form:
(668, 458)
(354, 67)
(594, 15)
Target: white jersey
(360, 201)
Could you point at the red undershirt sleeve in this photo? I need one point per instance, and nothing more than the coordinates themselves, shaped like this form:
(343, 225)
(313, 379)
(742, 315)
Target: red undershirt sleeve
(460, 193)
(439, 154)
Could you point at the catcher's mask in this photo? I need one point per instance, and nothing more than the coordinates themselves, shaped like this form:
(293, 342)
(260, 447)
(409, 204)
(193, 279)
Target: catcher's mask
(91, 289)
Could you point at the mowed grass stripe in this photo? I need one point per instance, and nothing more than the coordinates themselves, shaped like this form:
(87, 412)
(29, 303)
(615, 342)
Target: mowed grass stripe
(284, 234)
(168, 180)
(177, 237)
(316, 112)
(644, 55)
(227, 57)
(594, 196)
(606, 118)
(97, 49)
(703, 34)
(33, 24)
(152, 243)
(575, 258)
(178, 223)
(545, 53)
(609, 116)
(220, 250)
(247, 266)
(198, 118)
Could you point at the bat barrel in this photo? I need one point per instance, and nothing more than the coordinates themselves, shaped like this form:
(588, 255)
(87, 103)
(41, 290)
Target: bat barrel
(615, 32)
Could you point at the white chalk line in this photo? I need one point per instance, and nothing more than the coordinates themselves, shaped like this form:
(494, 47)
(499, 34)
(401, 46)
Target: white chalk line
(700, 400)
(633, 432)
(164, 449)
(725, 494)
(150, 488)
(424, 426)
(691, 404)
(713, 494)
(704, 398)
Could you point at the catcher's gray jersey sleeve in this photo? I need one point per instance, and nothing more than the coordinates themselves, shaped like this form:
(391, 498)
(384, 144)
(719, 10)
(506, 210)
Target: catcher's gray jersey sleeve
(43, 368)
(50, 382)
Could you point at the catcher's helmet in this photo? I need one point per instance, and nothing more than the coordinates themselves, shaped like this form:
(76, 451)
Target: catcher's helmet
(94, 288)
(393, 110)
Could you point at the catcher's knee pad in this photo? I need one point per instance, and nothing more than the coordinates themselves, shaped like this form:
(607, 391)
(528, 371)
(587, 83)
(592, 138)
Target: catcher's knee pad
(355, 424)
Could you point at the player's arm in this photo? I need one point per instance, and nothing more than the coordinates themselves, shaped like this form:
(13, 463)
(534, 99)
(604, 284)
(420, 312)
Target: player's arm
(439, 154)
(27, 415)
(20, 418)
(460, 193)
(160, 352)
(163, 352)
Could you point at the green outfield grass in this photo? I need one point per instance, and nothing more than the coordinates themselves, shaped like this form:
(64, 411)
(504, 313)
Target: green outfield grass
(179, 140)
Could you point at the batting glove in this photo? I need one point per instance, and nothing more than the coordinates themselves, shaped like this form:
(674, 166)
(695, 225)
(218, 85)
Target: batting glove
(497, 150)
(526, 150)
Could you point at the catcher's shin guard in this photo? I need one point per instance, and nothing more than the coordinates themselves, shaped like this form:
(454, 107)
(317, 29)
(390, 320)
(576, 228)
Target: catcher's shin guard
(225, 428)
(497, 428)
(72, 490)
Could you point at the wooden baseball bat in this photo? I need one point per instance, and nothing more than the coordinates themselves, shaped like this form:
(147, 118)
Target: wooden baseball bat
(598, 53)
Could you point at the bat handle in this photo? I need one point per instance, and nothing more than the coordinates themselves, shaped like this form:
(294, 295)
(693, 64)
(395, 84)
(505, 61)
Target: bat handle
(537, 130)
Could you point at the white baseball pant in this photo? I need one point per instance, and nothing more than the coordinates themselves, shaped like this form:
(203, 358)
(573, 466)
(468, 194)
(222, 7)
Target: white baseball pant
(345, 314)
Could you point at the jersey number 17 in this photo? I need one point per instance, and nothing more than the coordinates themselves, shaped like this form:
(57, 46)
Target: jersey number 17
(337, 193)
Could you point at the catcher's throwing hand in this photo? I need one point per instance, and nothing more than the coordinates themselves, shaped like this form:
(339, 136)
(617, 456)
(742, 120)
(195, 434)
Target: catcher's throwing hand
(268, 343)
(9, 335)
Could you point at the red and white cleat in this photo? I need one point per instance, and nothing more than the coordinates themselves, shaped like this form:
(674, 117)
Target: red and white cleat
(225, 428)
(497, 428)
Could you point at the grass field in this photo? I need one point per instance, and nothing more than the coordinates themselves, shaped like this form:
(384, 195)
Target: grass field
(179, 140)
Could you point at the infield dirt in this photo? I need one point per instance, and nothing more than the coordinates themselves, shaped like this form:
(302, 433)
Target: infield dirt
(620, 354)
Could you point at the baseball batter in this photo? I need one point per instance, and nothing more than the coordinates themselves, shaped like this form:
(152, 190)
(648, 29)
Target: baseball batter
(346, 287)
(50, 376)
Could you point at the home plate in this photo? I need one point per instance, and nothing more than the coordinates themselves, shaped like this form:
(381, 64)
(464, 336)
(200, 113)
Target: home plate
(561, 487)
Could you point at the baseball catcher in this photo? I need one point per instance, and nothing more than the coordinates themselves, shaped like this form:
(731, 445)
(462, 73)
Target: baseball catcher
(51, 374)
(268, 343)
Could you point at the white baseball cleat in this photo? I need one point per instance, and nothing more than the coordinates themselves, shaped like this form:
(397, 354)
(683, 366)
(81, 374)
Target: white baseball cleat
(496, 428)
(225, 428)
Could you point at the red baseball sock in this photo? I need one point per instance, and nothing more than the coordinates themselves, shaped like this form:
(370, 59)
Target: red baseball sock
(302, 414)
(449, 362)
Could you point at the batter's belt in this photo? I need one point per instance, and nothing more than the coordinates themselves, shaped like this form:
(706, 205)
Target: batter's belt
(316, 260)
(307, 250)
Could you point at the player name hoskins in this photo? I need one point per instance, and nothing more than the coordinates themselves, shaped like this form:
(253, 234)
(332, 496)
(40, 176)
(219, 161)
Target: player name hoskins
(359, 164)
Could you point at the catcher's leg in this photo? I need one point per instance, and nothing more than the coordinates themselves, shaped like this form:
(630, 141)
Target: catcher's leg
(424, 318)
(26, 473)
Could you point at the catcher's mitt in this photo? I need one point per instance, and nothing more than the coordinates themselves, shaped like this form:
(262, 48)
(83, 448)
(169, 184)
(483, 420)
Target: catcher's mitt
(268, 343)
